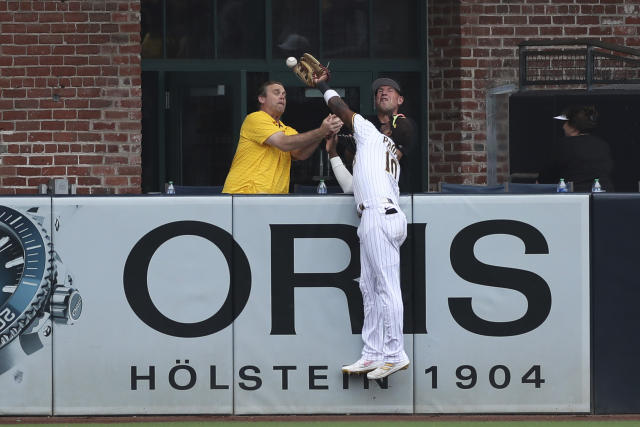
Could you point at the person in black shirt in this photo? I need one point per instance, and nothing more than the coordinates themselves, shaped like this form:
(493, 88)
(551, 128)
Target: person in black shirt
(580, 157)
(388, 99)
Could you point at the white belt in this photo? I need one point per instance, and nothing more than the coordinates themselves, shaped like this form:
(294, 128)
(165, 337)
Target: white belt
(368, 204)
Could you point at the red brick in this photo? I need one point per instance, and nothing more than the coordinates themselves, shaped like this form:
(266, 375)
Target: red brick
(116, 180)
(79, 170)
(51, 17)
(103, 170)
(89, 181)
(14, 28)
(63, 50)
(77, 125)
(14, 50)
(50, 39)
(14, 115)
(130, 170)
(89, 137)
(54, 171)
(540, 20)
(564, 20)
(65, 137)
(116, 160)
(40, 115)
(89, 114)
(64, 114)
(40, 136)
(66, 160)
(10, 181)
(76, 17)
(76, 60)
(587, 20)
(13, 160)
(40, 160)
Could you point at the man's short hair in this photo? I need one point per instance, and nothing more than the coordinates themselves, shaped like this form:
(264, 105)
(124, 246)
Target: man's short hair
(262, 90)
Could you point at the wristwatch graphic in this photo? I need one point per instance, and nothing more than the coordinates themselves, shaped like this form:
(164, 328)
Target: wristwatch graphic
(35, 288)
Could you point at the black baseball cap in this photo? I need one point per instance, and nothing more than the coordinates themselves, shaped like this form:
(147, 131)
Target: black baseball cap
(385, 81)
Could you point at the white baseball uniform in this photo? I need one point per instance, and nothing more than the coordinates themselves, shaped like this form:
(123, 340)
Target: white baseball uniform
(382, 230)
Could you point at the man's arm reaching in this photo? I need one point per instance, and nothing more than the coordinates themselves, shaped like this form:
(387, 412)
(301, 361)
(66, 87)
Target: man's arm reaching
(304, 144)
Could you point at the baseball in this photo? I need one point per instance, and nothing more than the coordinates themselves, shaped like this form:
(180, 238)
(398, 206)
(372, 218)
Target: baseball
(291, 62)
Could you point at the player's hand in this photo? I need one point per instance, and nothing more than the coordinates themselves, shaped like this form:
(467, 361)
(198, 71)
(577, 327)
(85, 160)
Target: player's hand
(331, 124)
(331, 144)
(322, 78)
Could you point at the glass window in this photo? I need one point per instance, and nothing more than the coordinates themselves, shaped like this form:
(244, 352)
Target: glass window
(241, 29)
(189, 29)
(295, 28)
(396, 29)
(345, 28)
(151, 28)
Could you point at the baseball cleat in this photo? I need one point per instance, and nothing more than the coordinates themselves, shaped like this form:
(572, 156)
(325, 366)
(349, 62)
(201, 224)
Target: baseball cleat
(362, 366)
(387, 369)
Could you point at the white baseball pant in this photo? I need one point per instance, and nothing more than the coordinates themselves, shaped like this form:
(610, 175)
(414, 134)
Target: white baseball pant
(381, 236)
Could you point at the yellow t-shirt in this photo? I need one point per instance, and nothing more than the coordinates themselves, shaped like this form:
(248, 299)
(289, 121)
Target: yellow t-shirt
(258, 167)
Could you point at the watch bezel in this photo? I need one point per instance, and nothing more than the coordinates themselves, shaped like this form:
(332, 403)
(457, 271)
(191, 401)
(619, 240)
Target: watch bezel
(34, 287)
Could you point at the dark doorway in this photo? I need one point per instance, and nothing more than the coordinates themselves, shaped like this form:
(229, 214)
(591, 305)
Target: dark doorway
(202, 118)
(533, 131)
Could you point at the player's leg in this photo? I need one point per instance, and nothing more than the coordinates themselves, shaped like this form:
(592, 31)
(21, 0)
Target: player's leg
(372, 332)
(392, 234)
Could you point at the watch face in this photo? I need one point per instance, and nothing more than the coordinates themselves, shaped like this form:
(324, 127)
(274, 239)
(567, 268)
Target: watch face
(24, 281)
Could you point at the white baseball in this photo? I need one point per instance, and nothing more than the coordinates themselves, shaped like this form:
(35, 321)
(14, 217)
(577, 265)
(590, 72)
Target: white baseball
(291, 62)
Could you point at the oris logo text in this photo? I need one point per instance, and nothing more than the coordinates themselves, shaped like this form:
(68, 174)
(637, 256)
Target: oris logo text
(284, 280)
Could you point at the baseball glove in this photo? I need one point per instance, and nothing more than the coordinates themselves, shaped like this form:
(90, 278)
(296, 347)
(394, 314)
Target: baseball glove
(309, 68)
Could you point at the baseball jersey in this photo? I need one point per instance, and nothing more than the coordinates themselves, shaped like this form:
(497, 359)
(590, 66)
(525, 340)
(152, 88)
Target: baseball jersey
(258, 167)
(375, 167)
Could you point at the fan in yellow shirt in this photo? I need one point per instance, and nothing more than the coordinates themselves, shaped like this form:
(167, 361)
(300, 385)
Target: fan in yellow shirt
(262, 162)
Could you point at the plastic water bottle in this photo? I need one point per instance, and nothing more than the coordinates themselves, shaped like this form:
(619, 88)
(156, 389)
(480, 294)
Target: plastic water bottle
(170, 189)
(596, 187)
(322, 187)
(562, 186)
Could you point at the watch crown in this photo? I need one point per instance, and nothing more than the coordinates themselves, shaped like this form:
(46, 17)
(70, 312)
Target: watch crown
(66, 304)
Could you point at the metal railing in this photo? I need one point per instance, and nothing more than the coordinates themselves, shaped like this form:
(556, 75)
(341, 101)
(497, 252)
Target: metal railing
(575, 61)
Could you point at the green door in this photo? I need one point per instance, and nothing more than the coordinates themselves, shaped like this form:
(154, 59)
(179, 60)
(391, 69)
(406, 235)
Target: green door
(203, 116)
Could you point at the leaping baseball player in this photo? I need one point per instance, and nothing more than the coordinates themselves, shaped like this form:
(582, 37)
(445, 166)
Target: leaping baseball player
(382, 229)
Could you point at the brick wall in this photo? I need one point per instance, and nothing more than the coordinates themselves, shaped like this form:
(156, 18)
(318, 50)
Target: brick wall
(70, 98)
(473, 47)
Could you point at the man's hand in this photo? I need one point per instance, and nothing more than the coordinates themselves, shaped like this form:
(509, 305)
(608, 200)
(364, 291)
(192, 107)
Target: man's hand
(331, 144)
(331, 124)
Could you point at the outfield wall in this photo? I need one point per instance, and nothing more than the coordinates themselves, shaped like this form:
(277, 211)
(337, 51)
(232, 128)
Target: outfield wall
(250, 305)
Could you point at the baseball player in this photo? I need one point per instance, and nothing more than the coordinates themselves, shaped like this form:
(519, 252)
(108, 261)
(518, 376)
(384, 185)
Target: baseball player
(382, 230)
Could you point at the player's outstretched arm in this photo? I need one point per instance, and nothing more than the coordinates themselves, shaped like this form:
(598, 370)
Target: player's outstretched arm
(335, 103)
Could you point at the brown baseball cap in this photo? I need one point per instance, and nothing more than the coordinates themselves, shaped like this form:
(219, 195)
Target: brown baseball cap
(385, 81)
